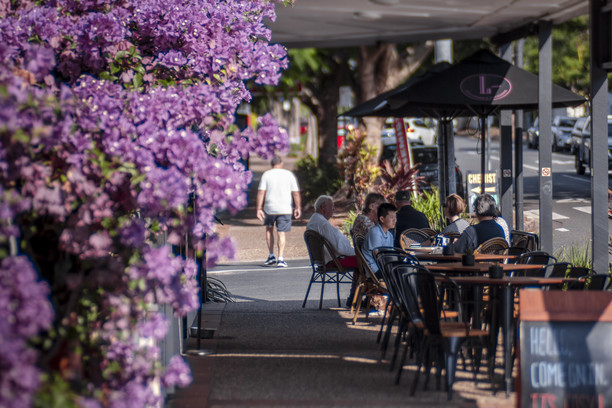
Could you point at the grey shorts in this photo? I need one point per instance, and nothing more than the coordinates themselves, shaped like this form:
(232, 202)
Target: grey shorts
(283, 222)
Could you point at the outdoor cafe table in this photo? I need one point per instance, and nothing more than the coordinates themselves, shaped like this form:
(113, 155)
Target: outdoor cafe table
(428, 256)
(479, 268)
(508, 284)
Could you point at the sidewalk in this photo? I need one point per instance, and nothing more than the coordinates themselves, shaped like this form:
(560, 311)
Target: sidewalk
(271, 353)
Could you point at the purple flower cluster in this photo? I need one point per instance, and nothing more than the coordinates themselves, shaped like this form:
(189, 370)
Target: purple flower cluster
(116, 121)
(25, 311)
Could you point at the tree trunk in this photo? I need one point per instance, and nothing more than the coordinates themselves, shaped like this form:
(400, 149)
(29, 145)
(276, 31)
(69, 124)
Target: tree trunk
(382, 68)
(328, 124)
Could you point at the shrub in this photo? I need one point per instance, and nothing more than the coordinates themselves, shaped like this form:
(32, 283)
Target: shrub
(347, 224)
(316, 180)
(357, 165)
(394, 178)
(117, 132)
(428, 202)
(578, 255)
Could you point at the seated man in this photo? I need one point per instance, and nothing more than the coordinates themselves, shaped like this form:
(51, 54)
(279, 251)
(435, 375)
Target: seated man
(487, 228)
(407, 216)
(319, 222)
(381, 235)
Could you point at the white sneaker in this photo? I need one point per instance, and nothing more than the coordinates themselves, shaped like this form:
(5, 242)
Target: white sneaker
(281, 264)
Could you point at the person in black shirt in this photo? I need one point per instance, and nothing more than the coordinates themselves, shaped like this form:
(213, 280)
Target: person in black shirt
(487, 228)
(407, 217)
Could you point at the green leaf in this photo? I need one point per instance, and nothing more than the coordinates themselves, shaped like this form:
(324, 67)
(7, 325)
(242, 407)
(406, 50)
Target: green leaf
(137, 80)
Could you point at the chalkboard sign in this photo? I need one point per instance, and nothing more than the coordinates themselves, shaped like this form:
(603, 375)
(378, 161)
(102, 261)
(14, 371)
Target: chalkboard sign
(565, 349)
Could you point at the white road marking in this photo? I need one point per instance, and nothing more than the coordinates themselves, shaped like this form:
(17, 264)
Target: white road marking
(575, 178)
(262, 269)
(563, 162)
(585, 209)
(562, 229)
(536, 214)
(526, 166)
(572, 200)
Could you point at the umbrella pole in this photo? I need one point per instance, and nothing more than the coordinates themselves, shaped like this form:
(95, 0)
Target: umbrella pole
(483, 154)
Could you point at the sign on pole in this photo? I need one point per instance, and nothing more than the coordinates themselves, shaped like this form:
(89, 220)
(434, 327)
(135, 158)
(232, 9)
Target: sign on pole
(474, 187)
(401, 142)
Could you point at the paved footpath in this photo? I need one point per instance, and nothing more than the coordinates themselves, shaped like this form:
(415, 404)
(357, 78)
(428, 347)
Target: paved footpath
(268, 351)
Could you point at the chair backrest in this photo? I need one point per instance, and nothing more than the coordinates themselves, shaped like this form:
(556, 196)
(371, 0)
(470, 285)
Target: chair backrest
(521, 241)
(429, 232)
(364, 268)
(427, 296)
(578, 272)
(387, 255)
(515, 251)
(536, 257)
(557, 270)
(492, 246)
(527, 240)
(317, 245)
(314, 244)
(599, 281)
(409, 300)
(412, 236)
(453, 236)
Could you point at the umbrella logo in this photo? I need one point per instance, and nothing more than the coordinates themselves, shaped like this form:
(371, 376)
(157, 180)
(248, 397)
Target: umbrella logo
(485, 87)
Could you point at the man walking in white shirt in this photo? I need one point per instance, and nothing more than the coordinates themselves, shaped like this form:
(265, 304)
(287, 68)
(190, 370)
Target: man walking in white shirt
(277, 188)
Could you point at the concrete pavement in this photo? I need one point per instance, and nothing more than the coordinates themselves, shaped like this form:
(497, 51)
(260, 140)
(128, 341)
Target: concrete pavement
(268, 351)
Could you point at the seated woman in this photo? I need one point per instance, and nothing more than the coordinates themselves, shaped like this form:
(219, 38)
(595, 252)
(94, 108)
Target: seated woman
(368, 217)
(381, 235)
(487, 228)
(453, 207)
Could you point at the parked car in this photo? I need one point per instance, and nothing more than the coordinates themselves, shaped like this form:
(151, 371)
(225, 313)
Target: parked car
(416, 129)
(427, 159)
(581, 127)
(562, 132)
(583, 155)
(533, 135)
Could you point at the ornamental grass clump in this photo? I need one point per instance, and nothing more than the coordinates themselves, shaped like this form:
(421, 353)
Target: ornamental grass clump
(117, 131)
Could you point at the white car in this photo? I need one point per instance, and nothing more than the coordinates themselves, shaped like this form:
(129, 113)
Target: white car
(416, 130)
(562, 132)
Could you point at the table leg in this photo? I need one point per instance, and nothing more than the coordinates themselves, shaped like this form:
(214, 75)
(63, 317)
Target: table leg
(508, 300)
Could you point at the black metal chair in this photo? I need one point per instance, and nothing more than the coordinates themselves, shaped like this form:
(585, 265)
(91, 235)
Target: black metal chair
(324, 272)
(393, 305)
(598, 281)
(447, 339)
(526, 240)
(536, 257)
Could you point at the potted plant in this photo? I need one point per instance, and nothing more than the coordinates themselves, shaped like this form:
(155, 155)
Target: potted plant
(468, 257)
(496, 271)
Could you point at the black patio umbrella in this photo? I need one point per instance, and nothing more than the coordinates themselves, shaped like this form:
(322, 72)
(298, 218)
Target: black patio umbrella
(379, 105)
(482, 83)
(479, 85)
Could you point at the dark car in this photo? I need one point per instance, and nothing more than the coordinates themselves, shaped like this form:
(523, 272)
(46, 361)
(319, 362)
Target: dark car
(426, 157)
(581, 128)
(583, 154)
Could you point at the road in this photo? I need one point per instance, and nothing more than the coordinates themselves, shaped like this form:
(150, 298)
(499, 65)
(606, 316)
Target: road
(571, 192)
